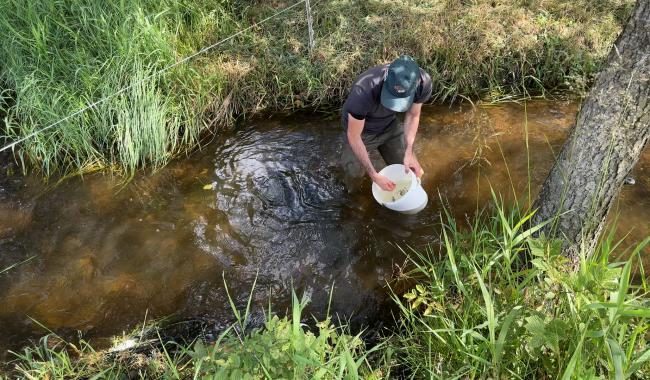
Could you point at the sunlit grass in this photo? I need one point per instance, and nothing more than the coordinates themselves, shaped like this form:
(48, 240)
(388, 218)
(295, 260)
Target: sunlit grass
(57, 57)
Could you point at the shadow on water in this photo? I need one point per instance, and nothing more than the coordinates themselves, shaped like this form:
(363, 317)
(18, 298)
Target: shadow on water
(264, 201)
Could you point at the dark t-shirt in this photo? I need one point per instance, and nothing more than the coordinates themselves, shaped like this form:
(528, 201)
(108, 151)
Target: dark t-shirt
(363, 102)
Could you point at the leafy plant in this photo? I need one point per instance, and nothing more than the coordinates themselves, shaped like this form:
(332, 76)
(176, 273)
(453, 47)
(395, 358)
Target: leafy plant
(497, 302)
(284, 348)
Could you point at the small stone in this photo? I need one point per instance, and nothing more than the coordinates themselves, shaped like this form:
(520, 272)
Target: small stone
(629, 181)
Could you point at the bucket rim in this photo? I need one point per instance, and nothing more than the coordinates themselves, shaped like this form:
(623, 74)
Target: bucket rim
(415, 181)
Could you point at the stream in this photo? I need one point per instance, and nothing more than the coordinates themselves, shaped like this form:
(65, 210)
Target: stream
(264, 201)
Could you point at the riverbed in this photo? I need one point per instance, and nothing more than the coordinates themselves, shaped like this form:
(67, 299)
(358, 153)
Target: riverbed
(265, 201)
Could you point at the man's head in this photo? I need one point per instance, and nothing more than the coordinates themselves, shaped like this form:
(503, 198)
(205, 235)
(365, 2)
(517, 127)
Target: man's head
(400, 84)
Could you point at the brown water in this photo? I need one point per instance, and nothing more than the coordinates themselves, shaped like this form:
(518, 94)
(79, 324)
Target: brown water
(107, 255)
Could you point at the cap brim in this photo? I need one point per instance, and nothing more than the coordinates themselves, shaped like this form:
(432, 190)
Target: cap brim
(394, 103)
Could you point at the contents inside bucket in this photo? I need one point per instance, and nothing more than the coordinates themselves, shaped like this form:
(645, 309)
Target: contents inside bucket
(401, 188)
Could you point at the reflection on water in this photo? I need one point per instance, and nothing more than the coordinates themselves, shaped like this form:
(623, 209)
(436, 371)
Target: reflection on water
(275, 209)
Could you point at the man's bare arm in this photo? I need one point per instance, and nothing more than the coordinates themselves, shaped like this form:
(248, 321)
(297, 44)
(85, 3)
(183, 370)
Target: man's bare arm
(355, 127)
(411, 122)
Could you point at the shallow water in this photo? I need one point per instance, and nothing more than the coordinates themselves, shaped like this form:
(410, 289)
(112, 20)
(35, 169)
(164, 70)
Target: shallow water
(265, 201)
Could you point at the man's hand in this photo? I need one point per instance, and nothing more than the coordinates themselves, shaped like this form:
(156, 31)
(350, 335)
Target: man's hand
(383, 182)
(411, 163)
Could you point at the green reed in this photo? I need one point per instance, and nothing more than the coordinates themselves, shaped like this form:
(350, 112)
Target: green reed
(495, 302)
(60, 56)
(284, 347)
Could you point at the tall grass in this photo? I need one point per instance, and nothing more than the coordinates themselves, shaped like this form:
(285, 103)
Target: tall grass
(57, 56)
(494, 302)
(284, 348)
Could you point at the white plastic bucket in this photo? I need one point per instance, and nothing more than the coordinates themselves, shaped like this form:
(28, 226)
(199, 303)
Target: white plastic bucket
(412, 202)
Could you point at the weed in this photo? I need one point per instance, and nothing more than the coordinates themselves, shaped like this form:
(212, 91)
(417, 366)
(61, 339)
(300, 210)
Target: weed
(496, 302)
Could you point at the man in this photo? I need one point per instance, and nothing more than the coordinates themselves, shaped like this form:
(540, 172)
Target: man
(369, 118)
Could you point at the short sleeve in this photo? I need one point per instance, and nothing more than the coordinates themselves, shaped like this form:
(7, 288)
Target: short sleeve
(358, 103)
(424, 90)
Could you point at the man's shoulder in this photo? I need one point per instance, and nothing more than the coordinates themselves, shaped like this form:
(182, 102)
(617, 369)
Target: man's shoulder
(371, 77)
(424, 89)
(425, 77)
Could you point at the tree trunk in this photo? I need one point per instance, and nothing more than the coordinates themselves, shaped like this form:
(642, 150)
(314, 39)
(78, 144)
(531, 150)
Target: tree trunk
(610, 133)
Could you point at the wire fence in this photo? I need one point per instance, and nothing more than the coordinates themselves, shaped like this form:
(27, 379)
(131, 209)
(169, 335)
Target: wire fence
(155, 74)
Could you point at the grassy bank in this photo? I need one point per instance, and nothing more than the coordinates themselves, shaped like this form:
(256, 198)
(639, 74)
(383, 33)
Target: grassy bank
(57, 56)
(494, 302)
(284, 348)
(489, 301)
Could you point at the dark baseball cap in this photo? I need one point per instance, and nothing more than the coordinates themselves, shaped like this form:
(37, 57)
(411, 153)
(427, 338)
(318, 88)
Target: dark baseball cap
(401, 82)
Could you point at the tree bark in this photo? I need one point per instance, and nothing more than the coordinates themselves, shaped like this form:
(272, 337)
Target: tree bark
(610, 133)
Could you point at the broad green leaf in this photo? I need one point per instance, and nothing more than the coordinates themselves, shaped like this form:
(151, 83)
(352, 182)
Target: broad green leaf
(617, 357)
(410, 295)
(536, 247)
(595, 333)
(641, 312)
(503, 333)
(638, 362)
(568, 372)
(489, 308)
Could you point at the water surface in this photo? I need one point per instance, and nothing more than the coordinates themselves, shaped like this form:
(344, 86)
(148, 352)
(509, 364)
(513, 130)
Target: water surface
(265, 201)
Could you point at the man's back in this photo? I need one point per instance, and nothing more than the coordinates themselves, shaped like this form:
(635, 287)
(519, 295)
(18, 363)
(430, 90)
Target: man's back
(364, 102)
